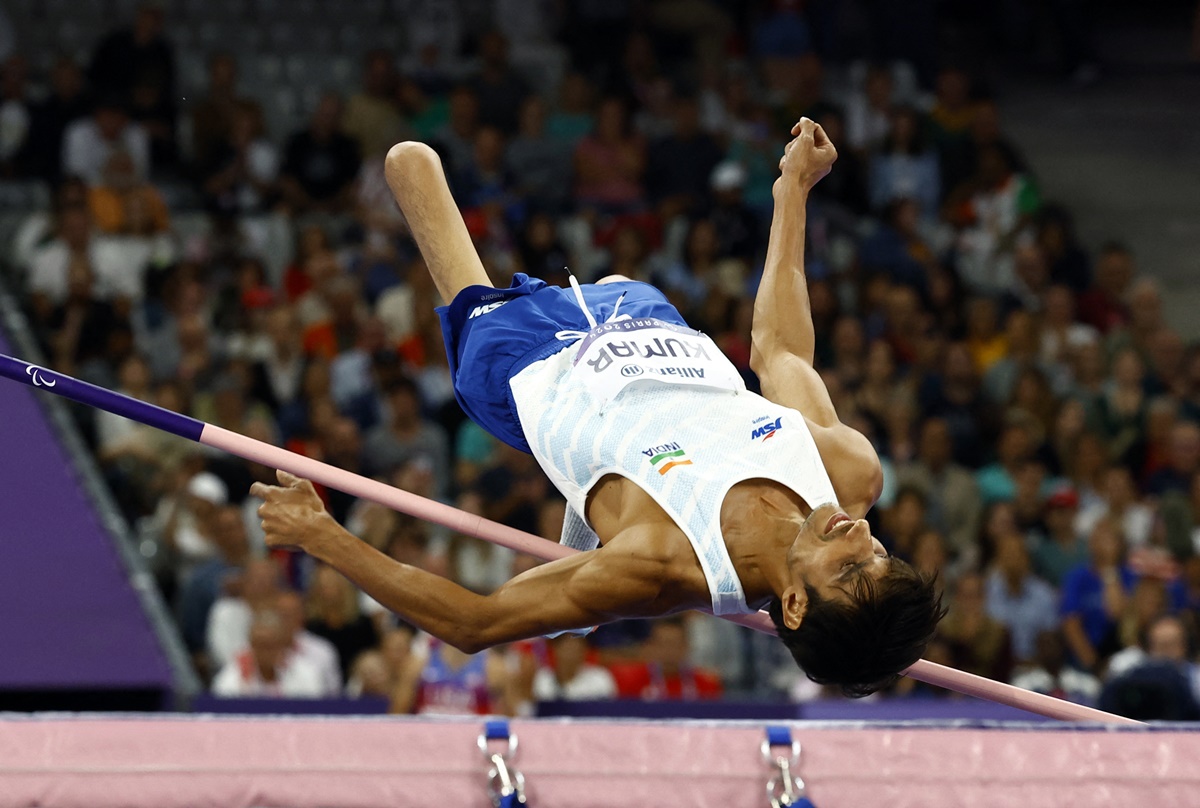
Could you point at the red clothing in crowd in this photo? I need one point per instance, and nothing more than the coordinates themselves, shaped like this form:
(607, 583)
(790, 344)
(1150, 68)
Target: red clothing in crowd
(641, 680)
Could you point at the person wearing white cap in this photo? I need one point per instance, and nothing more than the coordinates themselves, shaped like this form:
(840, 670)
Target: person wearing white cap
(189, 528)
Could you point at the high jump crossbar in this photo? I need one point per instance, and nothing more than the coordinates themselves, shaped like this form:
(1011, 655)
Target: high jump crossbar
(471, 525)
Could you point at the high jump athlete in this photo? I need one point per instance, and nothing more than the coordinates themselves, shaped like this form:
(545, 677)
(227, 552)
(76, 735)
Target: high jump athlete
(686, 490)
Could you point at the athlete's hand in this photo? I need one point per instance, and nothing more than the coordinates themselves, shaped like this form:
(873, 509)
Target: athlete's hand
(807, 158)
(293, 516)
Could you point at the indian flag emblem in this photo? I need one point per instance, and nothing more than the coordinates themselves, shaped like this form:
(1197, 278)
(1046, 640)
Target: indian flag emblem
(665, 461)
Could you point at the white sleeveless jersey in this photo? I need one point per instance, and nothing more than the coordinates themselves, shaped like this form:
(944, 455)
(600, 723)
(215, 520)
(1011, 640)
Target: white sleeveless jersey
(675, 419)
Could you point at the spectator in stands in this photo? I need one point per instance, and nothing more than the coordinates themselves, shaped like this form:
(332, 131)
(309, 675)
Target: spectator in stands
(124, 204)
(486, 182)
(213, 115)
(1094, 596)
(869, 116)
(320, 163)
(984, 134)
(66, 103)
(214, 578)
(679, 165)
(1014, 445)
(231, 616)
(1024, 603)
(992, 211)
(904, 167)
(573, 118)
(370, 677)
(372, 119)
(610, 162)
(952, 497)
(240, 167)
(1103, 305)
(666, 673)
(445, 681)
(1020, 357)
(266, 668)
(137, 64)
(1063, 547)
(455, 140)
(279, 372)
(978, 643)
(541, 252)
(739, 229)
(1180, 512)
(1122, 507)
(90, 142)
(903, 522)
(88, 322)
(949, 123)
(317, 652)
(405, 435)
(1183, 461)
(539, 163)
(897, 248)
(16, 118)
(1157, 681)
(499, 88)
(333, 613)
(1052, 673)
(513, 489)
(569, 676)
(701, 271)
(50, 263)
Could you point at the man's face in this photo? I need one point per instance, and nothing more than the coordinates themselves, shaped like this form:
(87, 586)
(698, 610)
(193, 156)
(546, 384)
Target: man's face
(668, 646)
(269, 646)
(935, 445)
(1167, 641)
(830, 552)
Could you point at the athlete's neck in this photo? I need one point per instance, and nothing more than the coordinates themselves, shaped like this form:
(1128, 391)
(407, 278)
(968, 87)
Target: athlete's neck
(763, 526)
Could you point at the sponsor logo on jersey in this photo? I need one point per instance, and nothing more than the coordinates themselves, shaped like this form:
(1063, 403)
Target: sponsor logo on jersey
(666, 456)
(767, 430)
(487, 308)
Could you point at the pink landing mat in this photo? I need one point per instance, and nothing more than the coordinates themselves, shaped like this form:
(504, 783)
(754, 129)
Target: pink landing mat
(64, 761)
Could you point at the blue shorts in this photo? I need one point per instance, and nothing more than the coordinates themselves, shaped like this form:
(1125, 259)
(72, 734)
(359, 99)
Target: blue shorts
(493, 334)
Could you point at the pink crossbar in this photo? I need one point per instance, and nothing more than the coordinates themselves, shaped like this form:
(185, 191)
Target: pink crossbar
(131, 762)
(496, 533)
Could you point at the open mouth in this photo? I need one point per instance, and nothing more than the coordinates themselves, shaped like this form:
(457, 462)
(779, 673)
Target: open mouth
(835, 520)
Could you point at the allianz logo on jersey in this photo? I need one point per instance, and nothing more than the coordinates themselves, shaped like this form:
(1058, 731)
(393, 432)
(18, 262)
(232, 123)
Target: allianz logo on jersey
(666, 456)
(485, 309)
(766, 430)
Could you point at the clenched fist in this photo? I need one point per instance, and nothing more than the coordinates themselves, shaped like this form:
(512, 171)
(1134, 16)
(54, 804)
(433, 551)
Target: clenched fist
(807, 158)
(293, 516)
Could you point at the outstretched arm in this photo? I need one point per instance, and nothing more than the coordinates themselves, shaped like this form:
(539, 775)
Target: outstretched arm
(582, 590)
(782, 337)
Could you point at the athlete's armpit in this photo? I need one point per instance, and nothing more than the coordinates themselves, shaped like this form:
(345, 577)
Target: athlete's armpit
(580, 591)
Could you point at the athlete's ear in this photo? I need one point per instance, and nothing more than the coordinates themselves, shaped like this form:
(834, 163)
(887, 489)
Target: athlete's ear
(795, 606)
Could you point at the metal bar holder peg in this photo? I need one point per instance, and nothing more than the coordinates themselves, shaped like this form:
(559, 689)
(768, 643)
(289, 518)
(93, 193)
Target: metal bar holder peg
(506, 785)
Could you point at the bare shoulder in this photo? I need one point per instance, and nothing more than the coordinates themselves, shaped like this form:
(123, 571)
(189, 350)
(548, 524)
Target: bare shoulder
(852, 463)
(659, 561)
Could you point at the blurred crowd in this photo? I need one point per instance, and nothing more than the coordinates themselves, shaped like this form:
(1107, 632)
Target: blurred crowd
(1038, 420)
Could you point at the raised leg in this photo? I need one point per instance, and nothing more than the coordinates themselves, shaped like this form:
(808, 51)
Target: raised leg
(414, 173)
(612, 279)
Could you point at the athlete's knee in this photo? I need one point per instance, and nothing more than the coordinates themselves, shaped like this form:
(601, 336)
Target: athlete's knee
(612, 279)
(407, 152)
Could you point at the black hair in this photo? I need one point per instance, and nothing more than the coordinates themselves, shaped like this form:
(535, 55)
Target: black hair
(864, 645)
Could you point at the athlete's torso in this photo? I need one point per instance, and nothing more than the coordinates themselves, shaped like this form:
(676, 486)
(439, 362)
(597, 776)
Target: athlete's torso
(690, 446)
